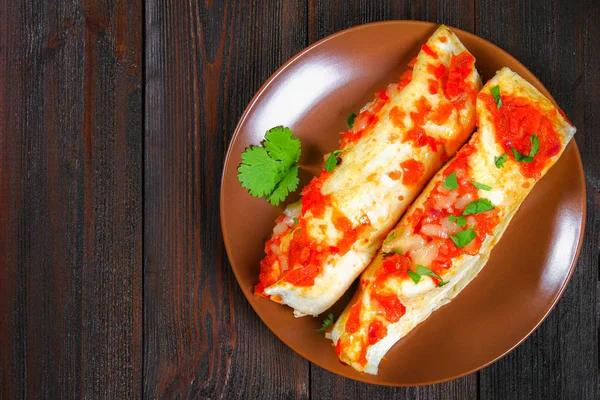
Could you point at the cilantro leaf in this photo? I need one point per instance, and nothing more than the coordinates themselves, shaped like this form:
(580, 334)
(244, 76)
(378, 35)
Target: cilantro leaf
(442, 283)
(270, 170)
(421, 270)
(463, 238)
(326, 323)
(332, 160)
(499, 161)
(480, 185)
(535, 145)
(414, 276)
(288, 184)
(450, 182)
(350, 119)
(392, 252)
(390, 238)
(282, 146)
(495, 91)
(258, 172)
(520, 157)
(478, 206)
(459, 220)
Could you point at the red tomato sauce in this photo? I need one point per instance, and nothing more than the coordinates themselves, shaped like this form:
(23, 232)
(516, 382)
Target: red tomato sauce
(516, 121)
(412, 170)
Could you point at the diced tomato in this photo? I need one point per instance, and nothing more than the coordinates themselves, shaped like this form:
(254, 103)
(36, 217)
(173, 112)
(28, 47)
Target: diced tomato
(312, 198)
(353, 321)
(441, 114)
(405, 79)
(412, 63)
(377, 331)
(303, 276)
(428, 50)
(458, 88)
(433, 86)
(412, 170)
(382, 94)
(390, 306)
(397, 117)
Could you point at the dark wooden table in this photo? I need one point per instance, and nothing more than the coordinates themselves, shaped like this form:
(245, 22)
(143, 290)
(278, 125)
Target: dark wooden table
(115, 117)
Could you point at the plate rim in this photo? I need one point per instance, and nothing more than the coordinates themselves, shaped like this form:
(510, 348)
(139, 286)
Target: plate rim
(291, 61)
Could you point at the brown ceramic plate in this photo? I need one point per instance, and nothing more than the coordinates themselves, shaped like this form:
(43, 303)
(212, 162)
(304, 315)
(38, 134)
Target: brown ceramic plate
(528, 270)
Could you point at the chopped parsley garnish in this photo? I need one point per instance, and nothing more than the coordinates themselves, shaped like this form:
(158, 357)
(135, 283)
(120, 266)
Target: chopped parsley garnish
(332, 160)
(463, 238)
(478, 206)
(271, 170)
(480, 185)
(495, 91)
(414, 276)
(392, 252)
(499, 161)
(459, 220)
(450, 182)
(350, 119)
(390, 238)
(535, 146)
(326, 323)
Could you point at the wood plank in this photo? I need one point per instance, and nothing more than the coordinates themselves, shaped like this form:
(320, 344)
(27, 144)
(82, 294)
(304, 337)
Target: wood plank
(204, 62)
(558, 41)
(325, 18)
(70, 202)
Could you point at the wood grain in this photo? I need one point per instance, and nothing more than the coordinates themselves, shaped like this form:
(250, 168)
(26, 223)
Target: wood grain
(70, 199)
(107, 192)
(204, 62)
(325, 18)
(560, 359)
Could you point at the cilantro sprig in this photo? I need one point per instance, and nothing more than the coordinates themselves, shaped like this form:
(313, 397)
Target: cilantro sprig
(478, 206)
(350, 119)
(463, 238)
(332, 160)
(390, 238)
(499, 161)
(535, 146)
(450, 182)
(480, 186)
(326, 323)
(458, 220)
(420, 271)
(392, 252)
(495, 91)
(271, 170)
